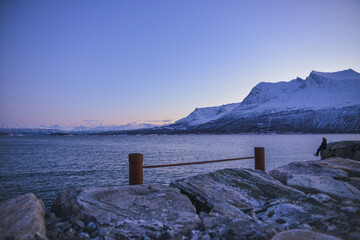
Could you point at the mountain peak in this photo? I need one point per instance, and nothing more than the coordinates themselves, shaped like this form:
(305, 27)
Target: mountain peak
(340, 75)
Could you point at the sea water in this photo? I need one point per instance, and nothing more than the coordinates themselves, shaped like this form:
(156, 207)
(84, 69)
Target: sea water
(45, 165)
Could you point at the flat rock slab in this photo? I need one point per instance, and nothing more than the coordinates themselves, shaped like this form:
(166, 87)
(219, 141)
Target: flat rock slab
(311, 168)
(330, 176)
(246, 189)
(299, 234)
(324, 184)
(352, 167)
(22, 218)
(132, 212)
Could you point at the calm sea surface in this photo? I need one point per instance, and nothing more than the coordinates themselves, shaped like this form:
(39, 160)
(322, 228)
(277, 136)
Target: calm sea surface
(48, 164)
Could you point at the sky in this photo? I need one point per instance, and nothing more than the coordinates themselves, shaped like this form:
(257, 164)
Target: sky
(79, 62)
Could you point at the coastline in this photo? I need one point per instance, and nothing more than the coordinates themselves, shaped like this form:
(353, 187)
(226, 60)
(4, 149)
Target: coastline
(314, 197)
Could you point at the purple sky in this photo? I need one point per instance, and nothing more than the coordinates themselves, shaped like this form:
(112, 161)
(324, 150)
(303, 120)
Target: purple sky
(113, 62)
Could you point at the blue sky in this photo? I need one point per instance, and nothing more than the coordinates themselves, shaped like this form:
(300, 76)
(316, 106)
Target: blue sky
(74, 62)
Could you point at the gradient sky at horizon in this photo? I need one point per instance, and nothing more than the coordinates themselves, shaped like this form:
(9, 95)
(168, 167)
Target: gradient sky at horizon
(113, 62)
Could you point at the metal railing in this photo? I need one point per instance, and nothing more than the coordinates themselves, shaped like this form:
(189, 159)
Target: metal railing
(136, 164)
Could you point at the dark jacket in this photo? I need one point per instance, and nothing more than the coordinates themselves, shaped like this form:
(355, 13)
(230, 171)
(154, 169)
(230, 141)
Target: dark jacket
(323, 145)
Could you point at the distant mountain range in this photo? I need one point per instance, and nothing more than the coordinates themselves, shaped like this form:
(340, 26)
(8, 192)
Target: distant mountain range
(322, 103)
(59, 130)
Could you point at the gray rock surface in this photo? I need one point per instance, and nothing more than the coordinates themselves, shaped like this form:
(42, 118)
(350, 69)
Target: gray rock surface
(343, 149)
(298, 234)
(228, 222)
(331, 188)
(131, 212)
(324, 184)
(352, 167)
(332, 177)
(344, 145)
(354, 236)
(309, 168)
(243, 196)
(314, 196)
(22, 218)
(307, 198)
(246, 189)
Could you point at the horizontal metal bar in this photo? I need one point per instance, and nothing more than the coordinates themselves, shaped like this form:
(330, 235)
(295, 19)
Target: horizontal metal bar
(192, 163)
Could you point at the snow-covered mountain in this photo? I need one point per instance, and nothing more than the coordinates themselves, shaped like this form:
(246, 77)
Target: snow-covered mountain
(323, 102)
(104, 128)
(203, 115)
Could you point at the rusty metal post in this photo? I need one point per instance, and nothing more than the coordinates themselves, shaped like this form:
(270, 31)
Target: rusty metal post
(259, 158)
(135, 168)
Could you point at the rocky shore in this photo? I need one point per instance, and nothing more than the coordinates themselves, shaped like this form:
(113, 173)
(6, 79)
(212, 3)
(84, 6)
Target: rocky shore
(343, 149)
(309, 200)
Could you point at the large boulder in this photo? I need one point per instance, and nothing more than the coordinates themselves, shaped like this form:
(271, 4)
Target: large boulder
(343, 149)
(250, 204)
(22, 218)
(332, 183)
(344, 145)
(246, 189)
(131, 212)
(258, 200)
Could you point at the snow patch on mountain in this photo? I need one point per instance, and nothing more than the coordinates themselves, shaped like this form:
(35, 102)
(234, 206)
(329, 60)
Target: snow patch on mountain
(264, 91)
(203, 115)
(341, 75)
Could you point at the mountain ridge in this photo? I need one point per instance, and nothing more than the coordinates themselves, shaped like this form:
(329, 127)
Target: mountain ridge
(322, 102)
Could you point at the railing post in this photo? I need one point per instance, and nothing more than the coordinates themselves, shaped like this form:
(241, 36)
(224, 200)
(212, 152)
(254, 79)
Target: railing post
(135, 168)
(259, 158)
